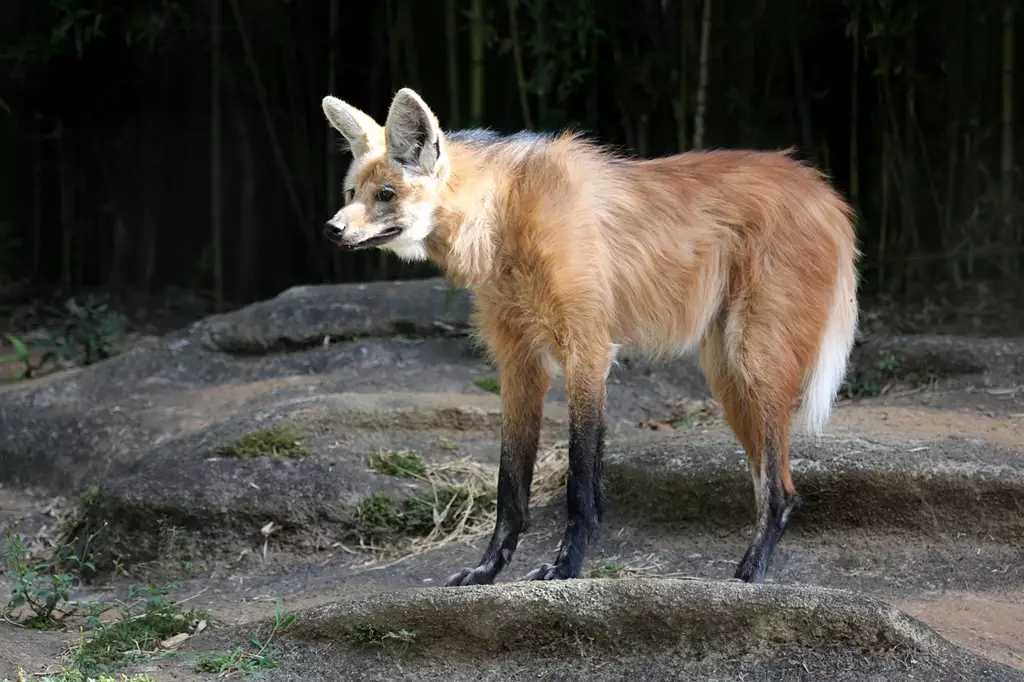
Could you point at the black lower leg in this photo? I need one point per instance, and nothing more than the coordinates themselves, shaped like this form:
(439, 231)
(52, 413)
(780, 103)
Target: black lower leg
(599, 498)
(584, 491)
(515, 475)
(775, 505)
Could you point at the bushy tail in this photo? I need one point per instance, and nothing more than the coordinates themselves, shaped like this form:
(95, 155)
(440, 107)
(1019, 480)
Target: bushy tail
(833, 353)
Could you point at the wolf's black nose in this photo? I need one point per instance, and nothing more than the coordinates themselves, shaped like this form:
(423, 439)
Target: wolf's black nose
(333, 230)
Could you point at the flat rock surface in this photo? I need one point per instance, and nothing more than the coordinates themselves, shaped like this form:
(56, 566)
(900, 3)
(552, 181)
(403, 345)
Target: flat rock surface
(649, 629)
(913, 497)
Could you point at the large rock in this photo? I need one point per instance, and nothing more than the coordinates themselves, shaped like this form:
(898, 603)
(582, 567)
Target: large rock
(946, 486)
(637, 629)
(144, 427)
(928, 355)
(303, 316)
(67, 431)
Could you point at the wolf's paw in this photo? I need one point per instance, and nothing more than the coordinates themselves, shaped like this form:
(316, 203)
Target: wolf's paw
(481, 575)
(551, 572)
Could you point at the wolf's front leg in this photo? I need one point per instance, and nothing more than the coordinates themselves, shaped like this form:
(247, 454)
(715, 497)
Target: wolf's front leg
(524, 383)
(585, 384)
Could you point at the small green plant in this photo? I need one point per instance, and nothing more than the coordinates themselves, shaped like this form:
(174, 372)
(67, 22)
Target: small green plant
(607, 569)
(490, 384)
(447, 445)
(39, 595)
(238, 662)
(889, 366)
(857, 386)
(91, 495)
(40, 599)
(85, 330)
(283, 622)
(373, 636)
(244, 661)
(380, 519)
(77, 676)
(866, 383)
(149, 617)
(20, 354)
(276, 441)
(404, 463)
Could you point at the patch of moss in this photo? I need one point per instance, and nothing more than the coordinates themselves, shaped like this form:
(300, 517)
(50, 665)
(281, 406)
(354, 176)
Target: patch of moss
(447, 445)
(91, 495)
(403, 463)
(276, 441)
(607, 569)
(490, 384)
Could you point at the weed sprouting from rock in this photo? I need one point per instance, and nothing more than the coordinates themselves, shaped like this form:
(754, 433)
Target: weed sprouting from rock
(489, 384)
(237, 662)
(367, 635)
(607, 569)
(403, 463)
(447, 445)
(860, 383)
(248, 660)
(275, 442)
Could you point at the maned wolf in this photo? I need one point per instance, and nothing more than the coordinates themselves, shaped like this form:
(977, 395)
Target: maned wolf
(571, 250)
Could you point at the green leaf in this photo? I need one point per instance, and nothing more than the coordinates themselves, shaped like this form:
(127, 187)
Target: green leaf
(18, 344)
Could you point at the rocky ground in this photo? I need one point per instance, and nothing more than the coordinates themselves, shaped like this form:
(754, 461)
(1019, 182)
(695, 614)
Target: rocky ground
(231, 457)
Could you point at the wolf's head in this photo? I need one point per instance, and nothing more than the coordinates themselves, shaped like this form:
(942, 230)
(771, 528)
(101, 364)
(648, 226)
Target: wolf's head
(395, 179)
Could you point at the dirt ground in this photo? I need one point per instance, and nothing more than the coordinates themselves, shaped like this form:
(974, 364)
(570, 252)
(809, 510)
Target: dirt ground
(967, 586)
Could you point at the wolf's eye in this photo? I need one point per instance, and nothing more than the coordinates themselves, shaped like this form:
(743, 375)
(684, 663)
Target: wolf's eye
(385, 193)
(349, 194)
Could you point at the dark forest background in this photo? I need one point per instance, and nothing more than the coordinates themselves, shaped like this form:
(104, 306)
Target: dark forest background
(155, 143)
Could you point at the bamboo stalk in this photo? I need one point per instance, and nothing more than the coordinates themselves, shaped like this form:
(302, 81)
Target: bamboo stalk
(275, 142)
(702, 85)
(216, 208)
(517, 57)
(451, 29)
(1011, 234)
(476, 58)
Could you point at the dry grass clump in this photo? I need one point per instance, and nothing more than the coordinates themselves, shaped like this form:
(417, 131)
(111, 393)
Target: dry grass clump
(458, 502)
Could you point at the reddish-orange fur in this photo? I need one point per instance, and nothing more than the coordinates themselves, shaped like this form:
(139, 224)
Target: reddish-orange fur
(571, 250)
(687, 242)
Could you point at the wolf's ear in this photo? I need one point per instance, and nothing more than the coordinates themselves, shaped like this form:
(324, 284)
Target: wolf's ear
(414, 138)
(363, 134)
